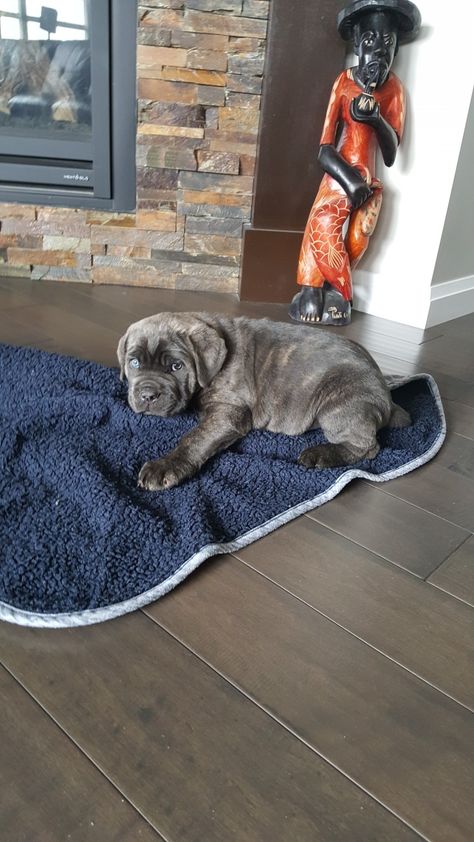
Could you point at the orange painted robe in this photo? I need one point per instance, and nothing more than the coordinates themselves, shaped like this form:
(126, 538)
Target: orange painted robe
(325, 254)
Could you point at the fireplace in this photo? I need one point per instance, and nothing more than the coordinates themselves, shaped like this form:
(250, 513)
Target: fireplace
(68, 102)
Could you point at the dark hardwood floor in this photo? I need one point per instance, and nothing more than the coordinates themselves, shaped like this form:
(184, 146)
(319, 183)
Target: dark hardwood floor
(317, 686)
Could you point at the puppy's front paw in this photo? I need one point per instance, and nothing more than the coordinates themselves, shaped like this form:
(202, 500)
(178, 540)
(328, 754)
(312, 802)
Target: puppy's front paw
(320, 456)
(158, 475)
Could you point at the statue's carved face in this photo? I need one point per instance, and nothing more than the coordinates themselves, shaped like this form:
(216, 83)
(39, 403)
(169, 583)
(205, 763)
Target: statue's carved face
(375, 43)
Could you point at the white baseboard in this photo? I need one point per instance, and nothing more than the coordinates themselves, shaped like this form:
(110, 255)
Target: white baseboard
(451, 299)
(390, 297)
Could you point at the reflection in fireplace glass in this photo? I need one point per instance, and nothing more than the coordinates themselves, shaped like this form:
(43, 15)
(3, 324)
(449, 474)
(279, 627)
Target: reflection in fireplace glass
(45, 67)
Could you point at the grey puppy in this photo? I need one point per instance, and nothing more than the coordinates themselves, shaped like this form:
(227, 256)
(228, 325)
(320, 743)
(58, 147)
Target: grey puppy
(243, 374)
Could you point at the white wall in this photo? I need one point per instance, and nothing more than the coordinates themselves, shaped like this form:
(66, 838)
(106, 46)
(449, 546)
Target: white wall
(394, 278)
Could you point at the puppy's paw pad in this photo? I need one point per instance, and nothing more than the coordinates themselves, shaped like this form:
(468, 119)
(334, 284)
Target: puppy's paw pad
(309, 458)
(155, 476)
(319, 456)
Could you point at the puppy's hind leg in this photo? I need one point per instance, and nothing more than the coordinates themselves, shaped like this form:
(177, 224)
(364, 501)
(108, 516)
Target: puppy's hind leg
(399, 417)
(351, 436)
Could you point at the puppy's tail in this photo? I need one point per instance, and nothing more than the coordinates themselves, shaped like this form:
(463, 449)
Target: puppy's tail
(399, 417)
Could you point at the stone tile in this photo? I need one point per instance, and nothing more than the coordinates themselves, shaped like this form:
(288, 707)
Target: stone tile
(151, 129)
(152, 57)
(157, 179)
(76, 244)
(174, 114)
(212, 117)
(218, 162)
(97, 249)
(248, 164)
(127, 251)
(153, 36)
(146, 276)
(60, 273)
(156, 200)
(235, 211)
(127, 262)
(174, 159)
(222, 24)
(256, 8)
(21, 241)
(53, 214)
(211, 225)
(162, 220)
(161, 18)
(199, 40)
(176, 92)
(97, 217)
(137, 237)
(31, 257)
(239, 119)
(234, 6)
(208, 95)
(245, 45)
(212, 244)
(244, 83)
(160, 4)
(15, 271)
(188, 261)
(207, 59)
(247, 64)
(199, 77)
(215, 183)
(21, 211)
(14, 225)
(233, 99)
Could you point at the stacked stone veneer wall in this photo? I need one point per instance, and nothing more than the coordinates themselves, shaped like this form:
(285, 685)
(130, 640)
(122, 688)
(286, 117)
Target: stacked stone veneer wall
(199, 79)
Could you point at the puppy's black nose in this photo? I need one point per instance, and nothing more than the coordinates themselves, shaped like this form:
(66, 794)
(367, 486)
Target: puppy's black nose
(148, 394)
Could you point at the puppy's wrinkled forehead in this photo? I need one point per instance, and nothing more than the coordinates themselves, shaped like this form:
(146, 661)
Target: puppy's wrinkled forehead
(158, 332)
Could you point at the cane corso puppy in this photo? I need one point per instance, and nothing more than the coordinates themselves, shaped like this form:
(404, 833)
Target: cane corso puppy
(243, 374)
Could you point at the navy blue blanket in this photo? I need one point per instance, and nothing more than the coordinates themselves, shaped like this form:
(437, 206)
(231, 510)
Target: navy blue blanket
(80, 543)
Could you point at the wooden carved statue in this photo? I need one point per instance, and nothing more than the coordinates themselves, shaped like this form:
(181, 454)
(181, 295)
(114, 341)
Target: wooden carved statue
(366, 110)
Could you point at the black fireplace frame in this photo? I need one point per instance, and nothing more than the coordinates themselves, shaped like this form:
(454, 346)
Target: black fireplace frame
(99, 174)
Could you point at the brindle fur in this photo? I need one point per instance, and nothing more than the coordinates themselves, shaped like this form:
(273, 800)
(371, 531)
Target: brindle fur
(243, 374)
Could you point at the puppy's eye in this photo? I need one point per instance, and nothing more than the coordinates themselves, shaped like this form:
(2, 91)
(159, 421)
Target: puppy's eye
(176, 365)
(134, 363)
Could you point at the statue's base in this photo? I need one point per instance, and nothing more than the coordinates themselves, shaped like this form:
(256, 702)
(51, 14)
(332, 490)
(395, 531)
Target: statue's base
(320, 306)
(336, 311)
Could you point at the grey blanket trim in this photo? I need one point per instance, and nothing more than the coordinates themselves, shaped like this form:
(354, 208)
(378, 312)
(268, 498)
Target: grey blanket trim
(109, 612)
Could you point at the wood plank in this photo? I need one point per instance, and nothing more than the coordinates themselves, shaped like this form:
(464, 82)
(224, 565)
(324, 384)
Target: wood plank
(16, 330)
(456, 574)
(444, 486)
(79, 336)
(450, 357)
(380, 603)
(198, 759)
(399, 738)
(393, 529)
(459, 418)
(49, 790)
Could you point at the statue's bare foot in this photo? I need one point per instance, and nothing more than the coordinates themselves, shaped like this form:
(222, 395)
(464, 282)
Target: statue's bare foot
(337, 310)
(307, 305)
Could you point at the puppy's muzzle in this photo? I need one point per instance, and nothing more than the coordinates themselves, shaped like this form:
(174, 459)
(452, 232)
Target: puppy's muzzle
(148, 394)
(145, 396)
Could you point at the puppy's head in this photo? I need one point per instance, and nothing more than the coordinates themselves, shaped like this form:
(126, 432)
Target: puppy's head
(167, 359)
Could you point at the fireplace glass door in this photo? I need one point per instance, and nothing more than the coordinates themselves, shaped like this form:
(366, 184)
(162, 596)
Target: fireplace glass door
(54, 96)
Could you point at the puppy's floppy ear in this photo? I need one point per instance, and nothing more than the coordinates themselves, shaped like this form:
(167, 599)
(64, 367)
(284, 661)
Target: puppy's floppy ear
(121, 351)
(209, 354)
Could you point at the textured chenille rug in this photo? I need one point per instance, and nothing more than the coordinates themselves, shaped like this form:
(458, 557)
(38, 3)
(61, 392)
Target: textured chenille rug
(81, 543)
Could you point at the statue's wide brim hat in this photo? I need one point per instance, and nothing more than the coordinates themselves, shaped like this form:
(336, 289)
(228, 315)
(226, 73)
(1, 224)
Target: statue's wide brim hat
(405, 14)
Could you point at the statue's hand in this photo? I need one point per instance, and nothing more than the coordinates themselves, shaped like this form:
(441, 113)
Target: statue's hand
(365, 109)
(358, 191)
